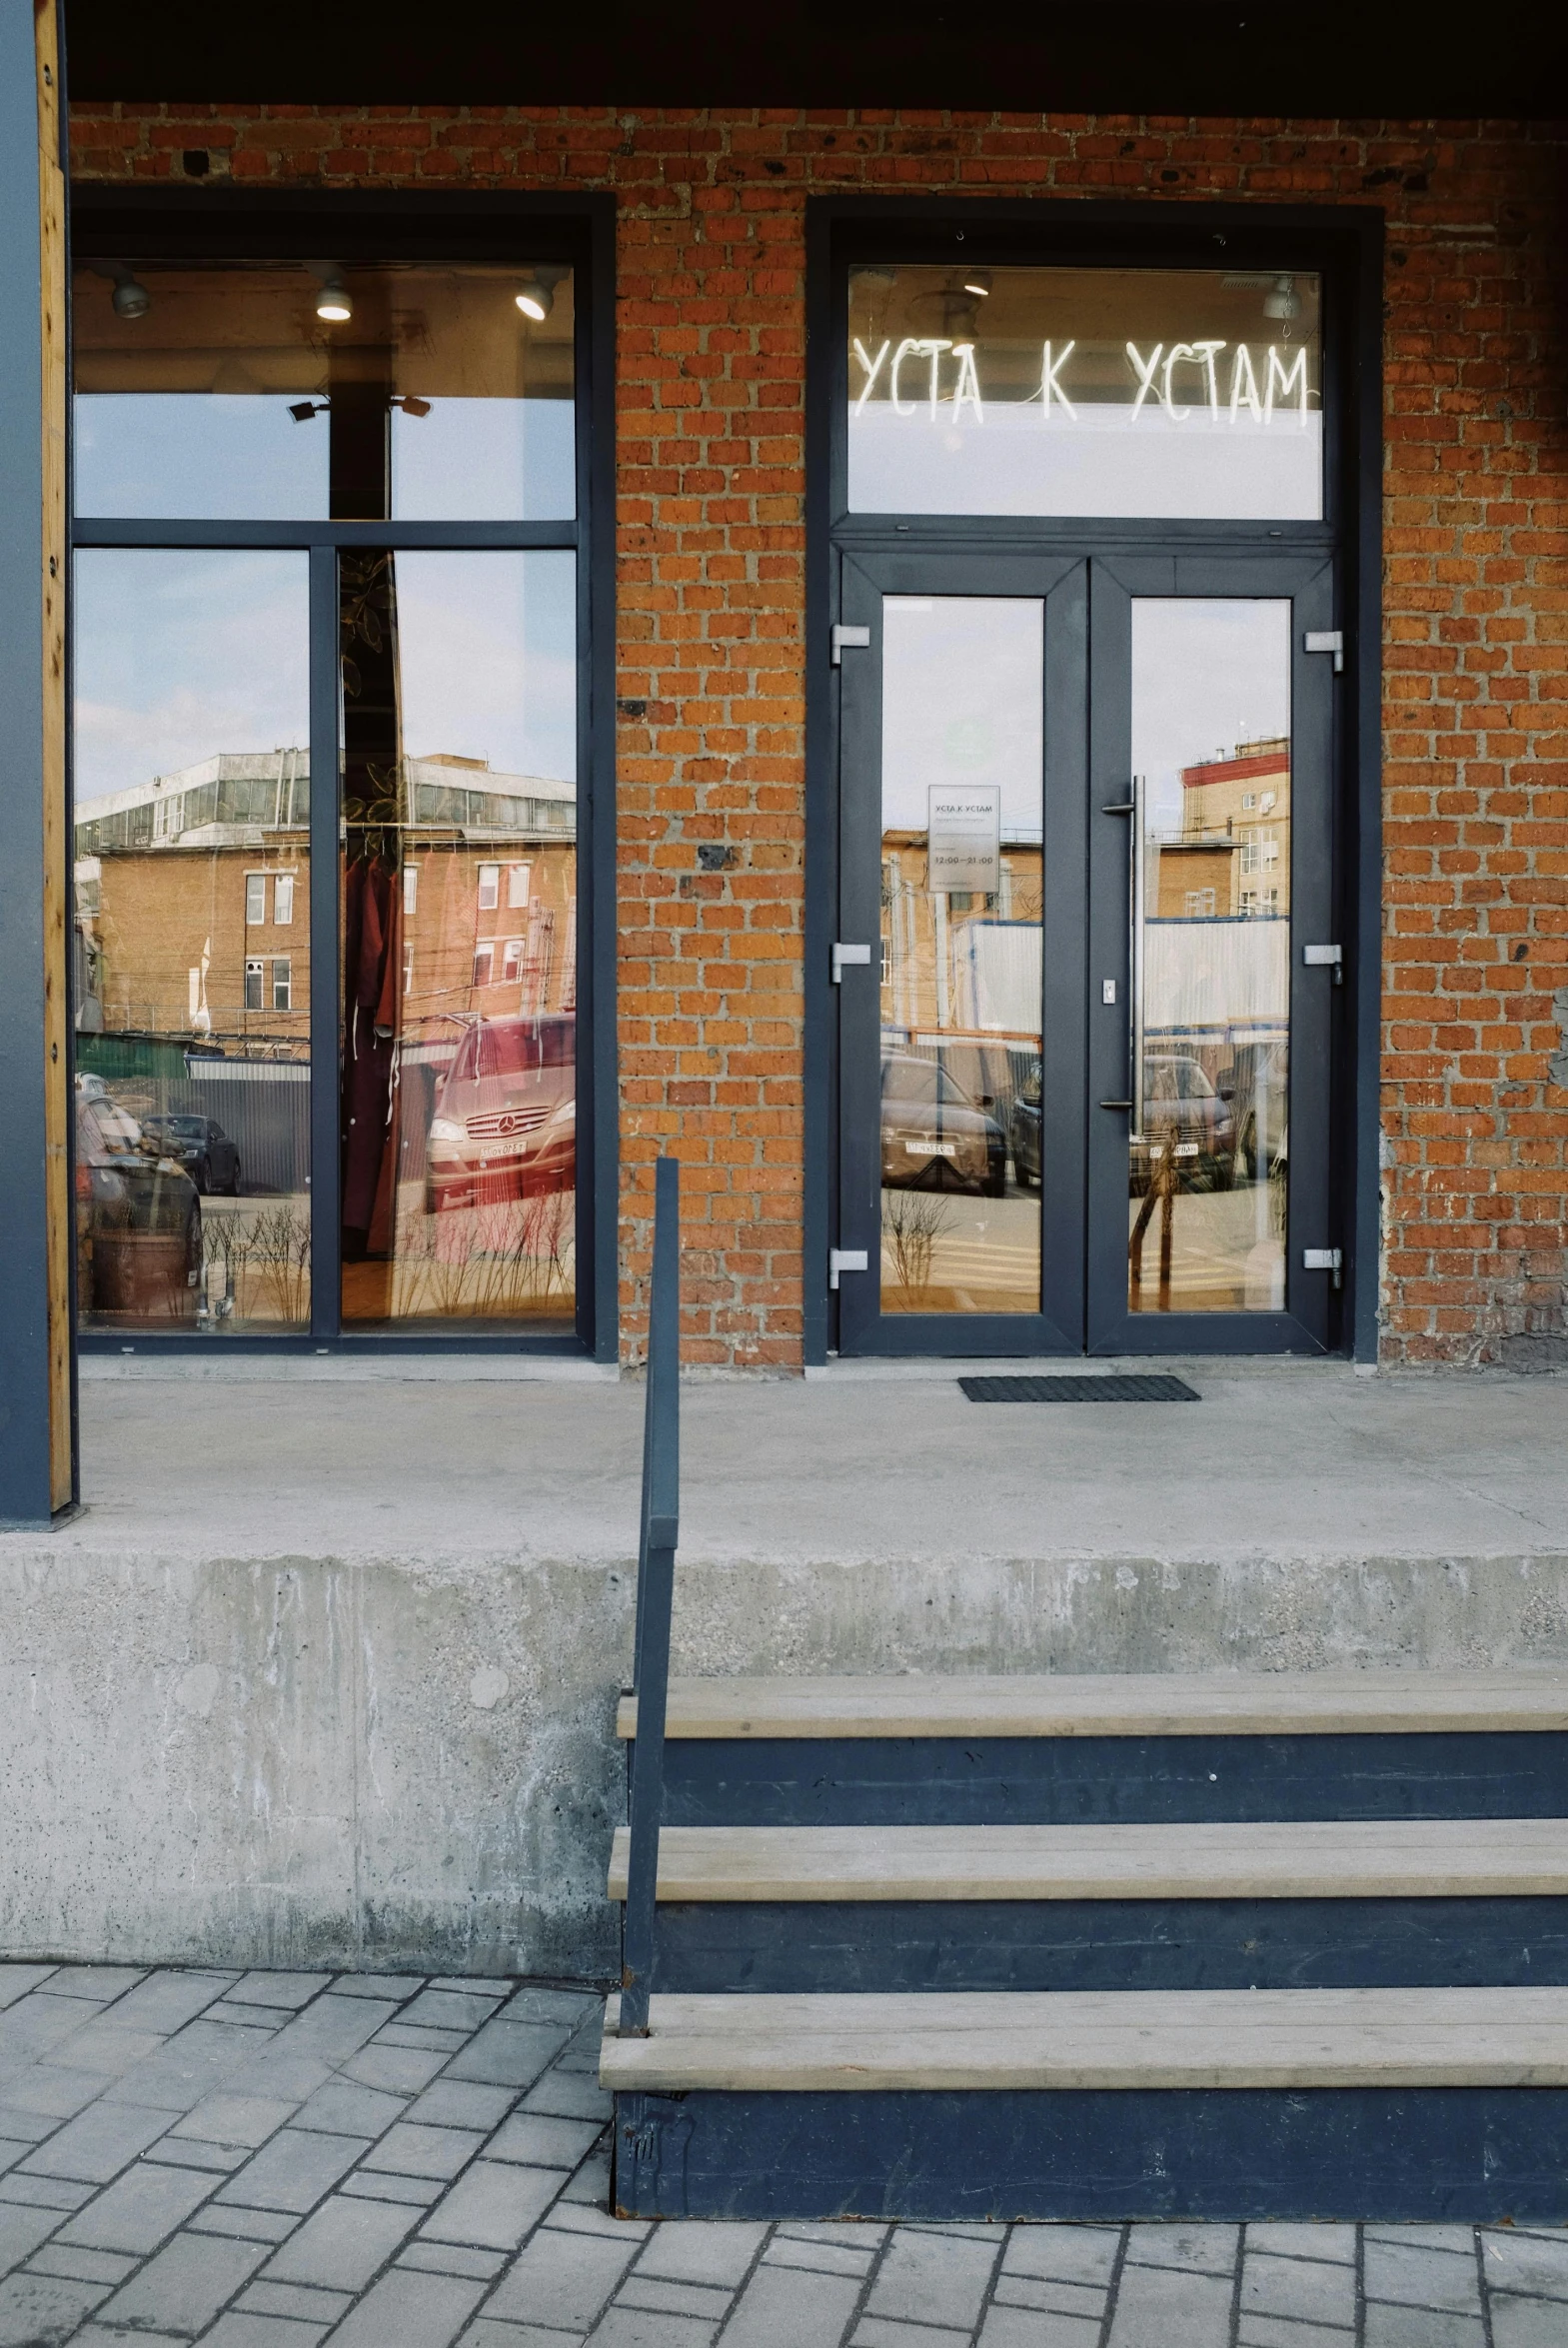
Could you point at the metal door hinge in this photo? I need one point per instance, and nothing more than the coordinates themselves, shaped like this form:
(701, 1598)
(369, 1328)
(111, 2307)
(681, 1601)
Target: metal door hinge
(1323, 957)
(1329, 640)
(846, 958)
(848, 640)
(846, 1260)
(1324, 1259)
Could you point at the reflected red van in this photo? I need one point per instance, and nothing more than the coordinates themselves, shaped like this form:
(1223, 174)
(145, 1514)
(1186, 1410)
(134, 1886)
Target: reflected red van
(505, 1119)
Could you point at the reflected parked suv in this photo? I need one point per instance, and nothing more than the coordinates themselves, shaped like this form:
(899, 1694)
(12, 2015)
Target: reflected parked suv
(505, 1122)
(203, 1148)
(1184, 1114)
(1023, 1129)
(933, 1134)
(138, 1221)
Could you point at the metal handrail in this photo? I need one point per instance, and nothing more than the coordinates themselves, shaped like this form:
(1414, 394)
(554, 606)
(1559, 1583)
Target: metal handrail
(655, 1567)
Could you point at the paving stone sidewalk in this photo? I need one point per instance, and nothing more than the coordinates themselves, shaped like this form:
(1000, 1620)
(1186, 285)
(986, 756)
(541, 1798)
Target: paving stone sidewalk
(271, 2160)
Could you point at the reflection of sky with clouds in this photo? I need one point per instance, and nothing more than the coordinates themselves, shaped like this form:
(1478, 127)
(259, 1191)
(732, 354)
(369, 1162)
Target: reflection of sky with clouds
(961, 704)
(1207, 673)
(215, 456)
(181, 654)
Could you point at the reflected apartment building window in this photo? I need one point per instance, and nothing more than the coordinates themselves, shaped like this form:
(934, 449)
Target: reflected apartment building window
(446, 1042)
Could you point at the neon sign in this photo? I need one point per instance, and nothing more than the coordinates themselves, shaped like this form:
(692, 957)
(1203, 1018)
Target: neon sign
(1257, 388)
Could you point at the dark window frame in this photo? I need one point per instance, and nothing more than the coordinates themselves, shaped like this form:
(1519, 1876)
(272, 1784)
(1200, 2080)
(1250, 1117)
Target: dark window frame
(1344, 245)
(579, 229)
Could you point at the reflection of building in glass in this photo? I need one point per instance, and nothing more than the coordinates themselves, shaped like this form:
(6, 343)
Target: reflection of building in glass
(191, 904)
(961, 961)
(1232, 853)
(193, 909)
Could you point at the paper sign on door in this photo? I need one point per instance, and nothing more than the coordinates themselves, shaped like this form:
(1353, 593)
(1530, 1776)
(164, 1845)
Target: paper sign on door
(964, 838)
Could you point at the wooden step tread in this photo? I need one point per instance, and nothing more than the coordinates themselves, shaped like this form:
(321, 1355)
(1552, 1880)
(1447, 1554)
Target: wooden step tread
(1393, 1858)
(1113, 1704)
(1086, 2039)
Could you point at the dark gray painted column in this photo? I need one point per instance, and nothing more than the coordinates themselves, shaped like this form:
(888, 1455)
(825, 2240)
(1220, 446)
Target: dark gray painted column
(24, 1314)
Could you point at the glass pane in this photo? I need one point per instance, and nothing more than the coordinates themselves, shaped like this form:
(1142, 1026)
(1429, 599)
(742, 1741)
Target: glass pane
(192, 940)
(1212, 744)
(1154, 393)
(278, 390)
(460, 938)
(963, 811)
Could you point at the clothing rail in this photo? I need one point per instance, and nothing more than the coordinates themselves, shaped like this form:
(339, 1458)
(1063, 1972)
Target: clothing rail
(655, 1567)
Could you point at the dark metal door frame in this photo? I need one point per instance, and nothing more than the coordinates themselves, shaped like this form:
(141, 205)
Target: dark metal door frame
(1310, 1321)
(1345, 243)
(1059, 580)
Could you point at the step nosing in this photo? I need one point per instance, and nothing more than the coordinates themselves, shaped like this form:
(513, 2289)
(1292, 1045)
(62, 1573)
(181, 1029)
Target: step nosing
(1372, 1702)
(1315, 1859)
(1075, 2040)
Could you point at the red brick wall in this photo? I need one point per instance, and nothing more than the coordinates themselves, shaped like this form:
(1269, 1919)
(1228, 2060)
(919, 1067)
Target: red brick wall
(712, 369)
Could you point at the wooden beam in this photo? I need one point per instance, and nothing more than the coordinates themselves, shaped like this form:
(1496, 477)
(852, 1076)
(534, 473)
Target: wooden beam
(1231, 2039)
(58, 1205)
(35, 1398)
(1164, 1703)
(1366, 1858)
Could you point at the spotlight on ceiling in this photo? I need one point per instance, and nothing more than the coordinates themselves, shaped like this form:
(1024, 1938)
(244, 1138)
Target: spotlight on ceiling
(978, 281)
(535, 298)
(409, 405)
(334, 303)
(302, 410)
(1282, 300)
(130, 297)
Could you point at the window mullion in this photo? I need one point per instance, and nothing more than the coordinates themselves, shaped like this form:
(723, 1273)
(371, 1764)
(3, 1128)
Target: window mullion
(326, 1298)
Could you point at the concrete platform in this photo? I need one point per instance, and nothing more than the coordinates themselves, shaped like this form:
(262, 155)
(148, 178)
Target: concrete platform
(325, 1673)
(864, 1462)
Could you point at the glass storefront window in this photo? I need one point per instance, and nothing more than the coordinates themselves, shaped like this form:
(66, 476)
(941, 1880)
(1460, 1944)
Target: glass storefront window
(1209, 1164)
(231, 397)
(191, 976)
(281, 391)
(1138, 393)
(459, 891)
(961, 873)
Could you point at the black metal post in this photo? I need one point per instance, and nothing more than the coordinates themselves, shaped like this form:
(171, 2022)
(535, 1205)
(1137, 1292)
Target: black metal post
(660, 1534)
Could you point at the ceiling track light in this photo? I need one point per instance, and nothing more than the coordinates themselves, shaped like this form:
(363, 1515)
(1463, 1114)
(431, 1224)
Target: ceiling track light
(333, 304)
(1282, 300)
(536, 296)
(130, 298)
(977, 280)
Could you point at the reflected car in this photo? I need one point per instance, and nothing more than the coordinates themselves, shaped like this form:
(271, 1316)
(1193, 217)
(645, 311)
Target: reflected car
(1023, 1129)
(199, 1145)
(504, 1119)
(1184, 1114)
(934, 1136)
(138, 1221)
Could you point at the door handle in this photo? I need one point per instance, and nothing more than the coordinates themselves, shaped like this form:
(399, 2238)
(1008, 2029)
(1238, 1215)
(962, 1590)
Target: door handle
(1133, 806)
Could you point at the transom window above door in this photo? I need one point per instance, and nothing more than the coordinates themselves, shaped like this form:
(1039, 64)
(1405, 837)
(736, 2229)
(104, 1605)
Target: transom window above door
(1154, 394)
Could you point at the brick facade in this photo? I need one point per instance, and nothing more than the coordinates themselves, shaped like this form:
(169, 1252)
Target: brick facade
(711, 586)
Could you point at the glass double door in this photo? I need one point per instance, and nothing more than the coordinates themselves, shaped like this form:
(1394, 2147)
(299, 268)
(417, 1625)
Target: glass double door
(1086, 979)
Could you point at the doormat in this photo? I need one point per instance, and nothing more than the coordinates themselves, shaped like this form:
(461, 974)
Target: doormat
(1078, 1389)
